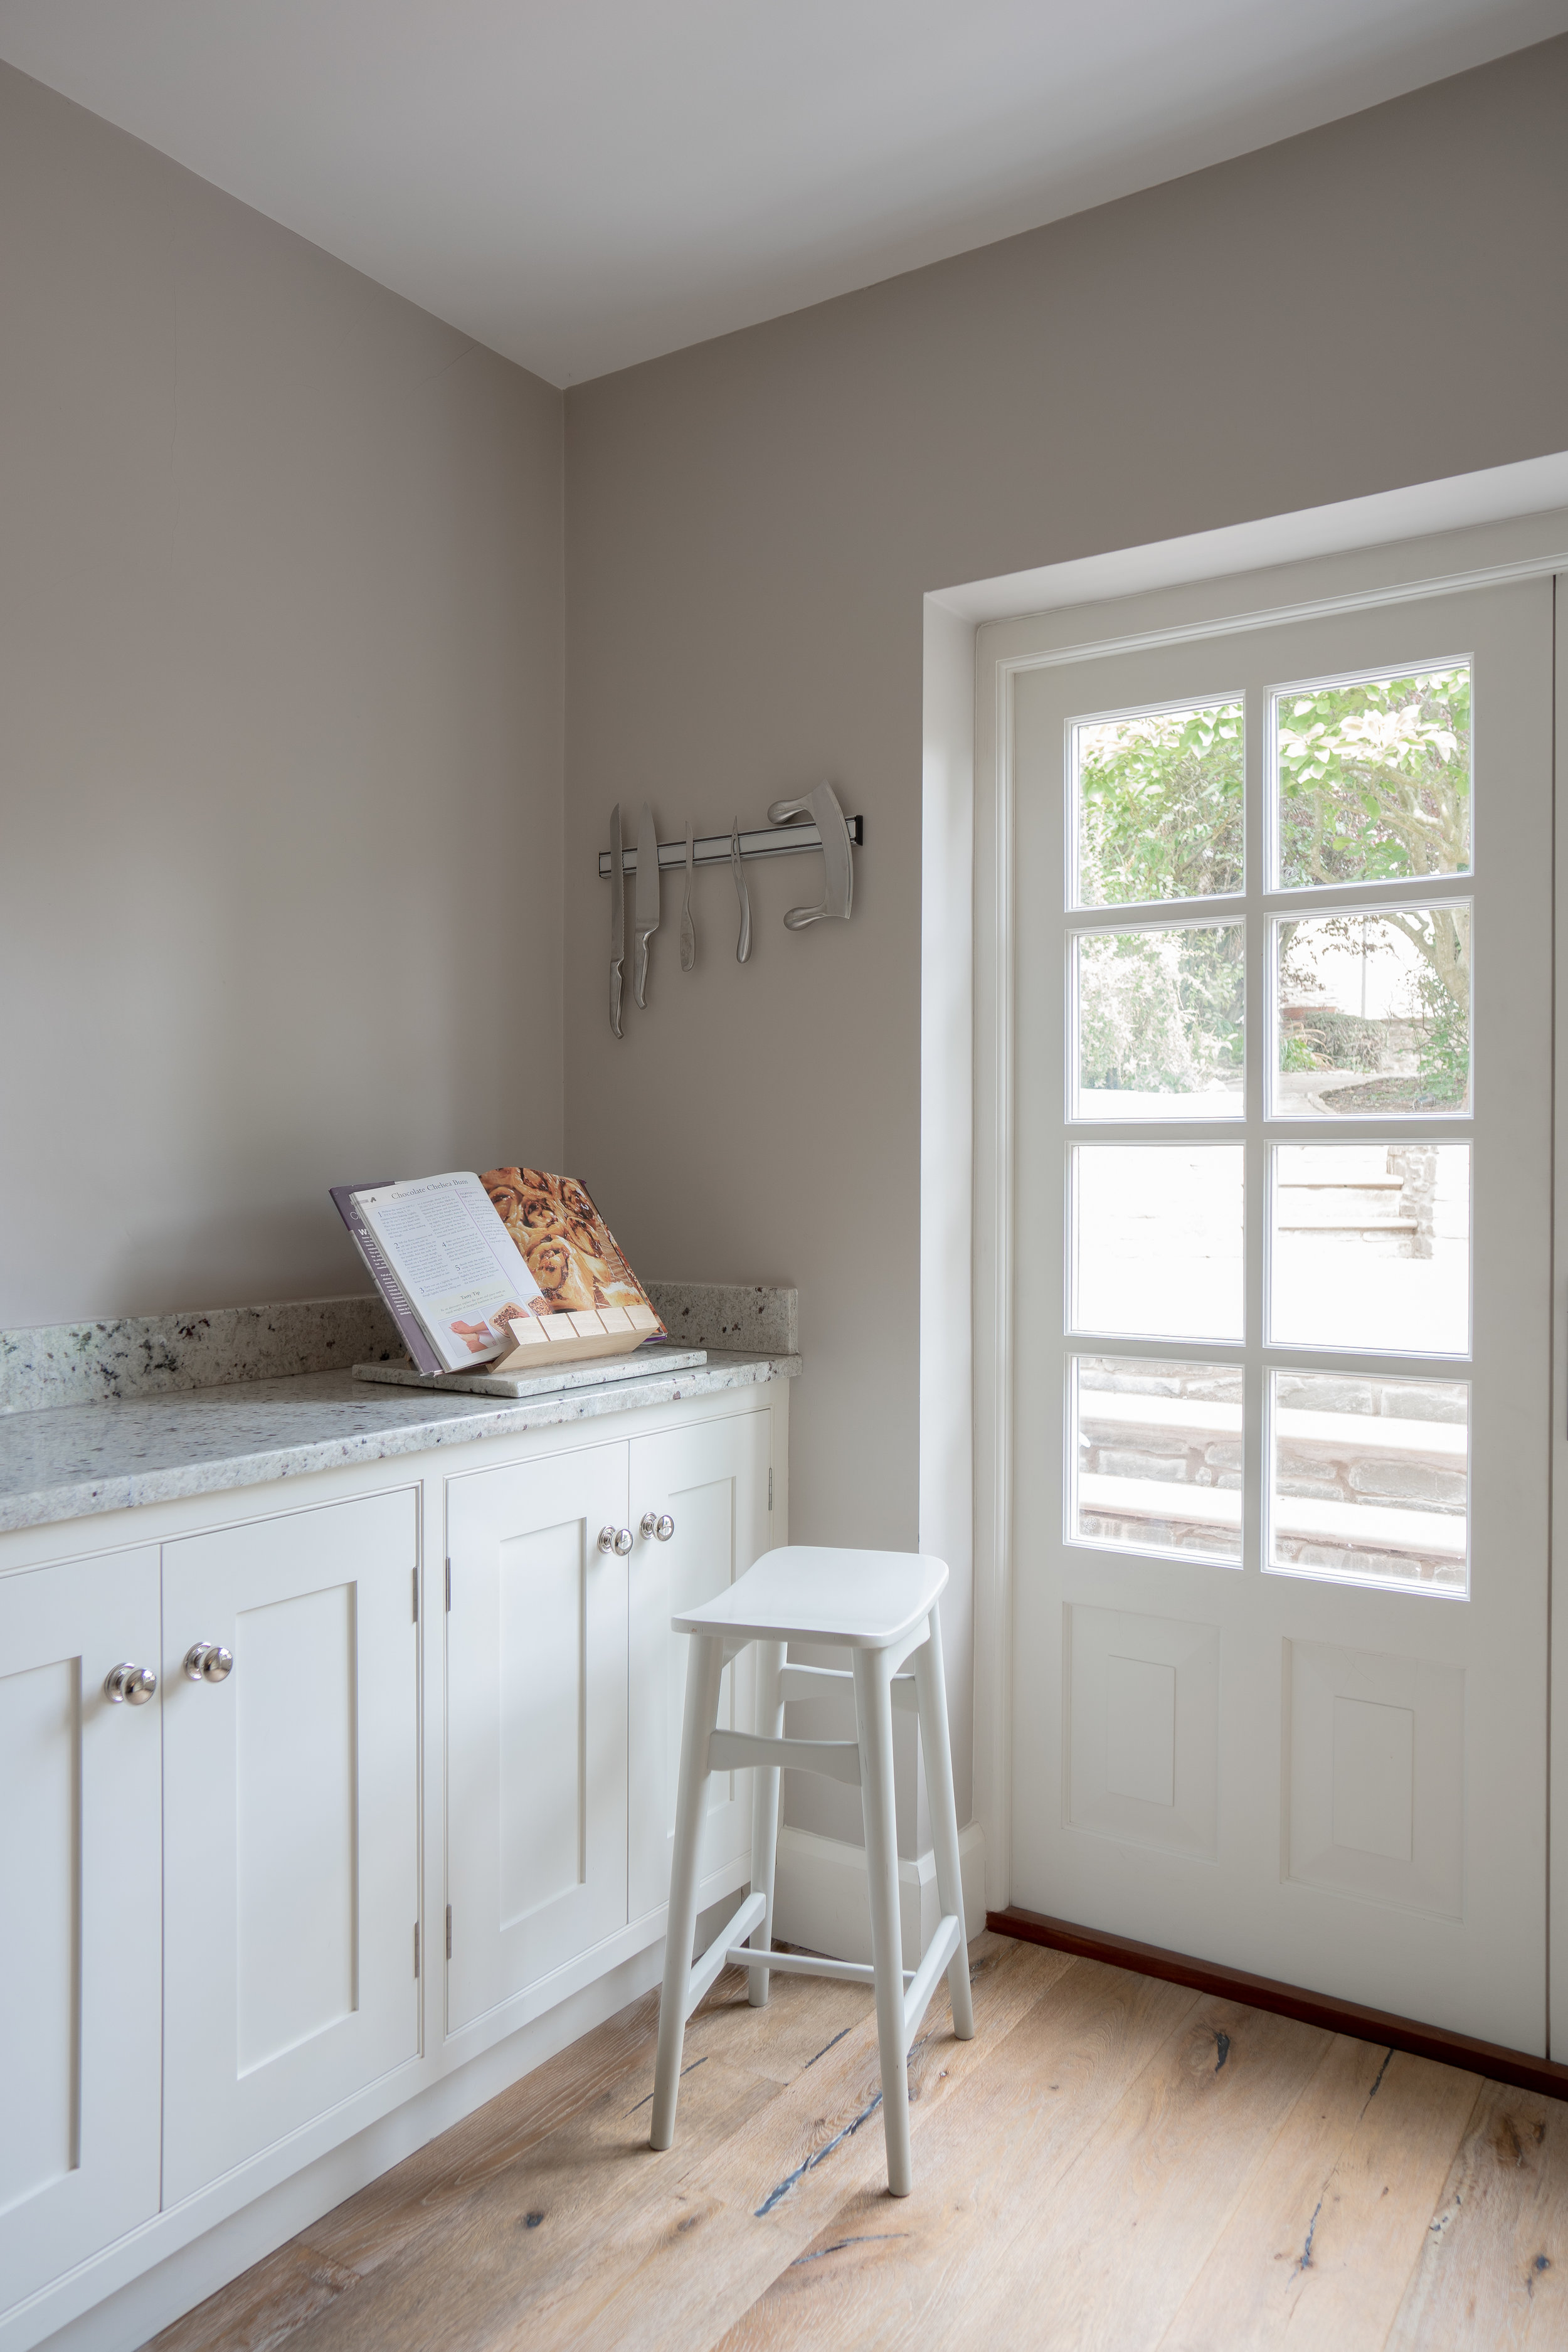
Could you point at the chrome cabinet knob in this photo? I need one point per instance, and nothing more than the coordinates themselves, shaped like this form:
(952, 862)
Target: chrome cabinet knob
(129, 1685)
(616, 1539)
(208, 1662)
(658, 1523)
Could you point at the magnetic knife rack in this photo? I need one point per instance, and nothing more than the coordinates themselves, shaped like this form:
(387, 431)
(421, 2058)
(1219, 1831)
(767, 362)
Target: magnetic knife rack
(714, 849)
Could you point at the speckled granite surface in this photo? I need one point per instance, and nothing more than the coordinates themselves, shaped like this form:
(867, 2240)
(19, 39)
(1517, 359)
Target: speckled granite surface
(729, 1315)
(73, 1460)
(154, 1355)
(157, 1355)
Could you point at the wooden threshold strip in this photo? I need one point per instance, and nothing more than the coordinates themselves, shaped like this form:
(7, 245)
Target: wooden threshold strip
(1488, 2058)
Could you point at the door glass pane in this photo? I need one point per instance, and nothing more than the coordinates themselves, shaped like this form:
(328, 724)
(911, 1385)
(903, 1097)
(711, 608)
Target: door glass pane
(1369, 1479)
(1373, 1012)
(1157, 797)
(1371, 1248)
(1373, 779)
(1157, 1023)
(1156, 1239)
(1156, 1452)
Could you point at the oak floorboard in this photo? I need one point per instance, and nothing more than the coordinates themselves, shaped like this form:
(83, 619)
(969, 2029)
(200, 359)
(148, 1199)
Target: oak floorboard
(550, 2224)
(524, 2250)
(1102, 2257)
(264, 2305)
(1492, 2267)
(690, 2263)
(875, 2271)
(1320, 2249)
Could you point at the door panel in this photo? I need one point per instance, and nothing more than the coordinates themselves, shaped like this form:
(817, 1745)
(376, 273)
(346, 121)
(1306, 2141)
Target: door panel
(1282, 1280)
(712, 1480)
(79, 1921)
(291, 1810)
(536, 1723)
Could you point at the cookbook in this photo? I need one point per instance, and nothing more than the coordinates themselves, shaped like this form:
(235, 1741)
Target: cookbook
(514, 1270)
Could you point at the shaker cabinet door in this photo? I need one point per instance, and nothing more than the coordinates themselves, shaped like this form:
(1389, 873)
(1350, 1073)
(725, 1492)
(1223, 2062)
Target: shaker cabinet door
(291, 1824)
(78, 1915)
(536, 1722)
(709, 1480)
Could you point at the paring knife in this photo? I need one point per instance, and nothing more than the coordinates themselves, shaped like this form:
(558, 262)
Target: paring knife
(617, 917)
(743, 944)
(688, 929)
(646, 921)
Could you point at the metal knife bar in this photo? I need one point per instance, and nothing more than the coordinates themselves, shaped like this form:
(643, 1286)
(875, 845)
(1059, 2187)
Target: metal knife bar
(714, 849)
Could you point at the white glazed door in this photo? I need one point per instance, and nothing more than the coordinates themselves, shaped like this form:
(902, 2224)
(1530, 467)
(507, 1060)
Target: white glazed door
(1281, 1378)
(291, 1825)
(80, 1915)
(536, 1722)
(711, 1481)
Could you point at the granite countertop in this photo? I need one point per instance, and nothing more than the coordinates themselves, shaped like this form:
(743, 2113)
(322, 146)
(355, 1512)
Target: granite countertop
(69, 1460)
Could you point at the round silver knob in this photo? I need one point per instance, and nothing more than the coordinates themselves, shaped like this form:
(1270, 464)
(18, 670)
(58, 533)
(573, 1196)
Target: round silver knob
(616, 1539)
(658, 1523)
(127, 1686)
(208, 1662)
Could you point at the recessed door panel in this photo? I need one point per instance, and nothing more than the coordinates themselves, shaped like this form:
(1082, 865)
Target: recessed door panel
(79, 1914)
(291, 1812)
(536, 1723)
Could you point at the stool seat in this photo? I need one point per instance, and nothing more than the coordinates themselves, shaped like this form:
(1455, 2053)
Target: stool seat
(880, 1606)
(808, 1592)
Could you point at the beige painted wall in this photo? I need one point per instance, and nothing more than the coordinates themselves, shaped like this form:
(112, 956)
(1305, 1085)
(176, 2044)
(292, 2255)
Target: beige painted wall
(750, 527)
(280, 680)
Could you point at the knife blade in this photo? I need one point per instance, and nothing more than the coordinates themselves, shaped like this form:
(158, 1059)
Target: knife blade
(646, 921)
(688, 927)
(617, 917)
(743, 944)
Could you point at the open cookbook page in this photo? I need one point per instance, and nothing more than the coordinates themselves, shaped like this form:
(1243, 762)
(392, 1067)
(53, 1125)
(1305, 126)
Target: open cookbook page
(461, 1269)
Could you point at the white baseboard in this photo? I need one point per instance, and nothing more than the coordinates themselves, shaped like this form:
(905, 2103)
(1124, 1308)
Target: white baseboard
(820, 1897)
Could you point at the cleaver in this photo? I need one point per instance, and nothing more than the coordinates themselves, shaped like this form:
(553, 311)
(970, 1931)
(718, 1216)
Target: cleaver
(646, 921)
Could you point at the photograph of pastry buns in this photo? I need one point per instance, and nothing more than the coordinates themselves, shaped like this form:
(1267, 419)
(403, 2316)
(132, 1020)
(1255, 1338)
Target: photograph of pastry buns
(570, 1251)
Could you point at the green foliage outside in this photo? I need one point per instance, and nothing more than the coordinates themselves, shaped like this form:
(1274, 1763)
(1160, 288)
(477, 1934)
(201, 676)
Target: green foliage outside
(1159, 807)
(1159, 1011)
(1375, 786)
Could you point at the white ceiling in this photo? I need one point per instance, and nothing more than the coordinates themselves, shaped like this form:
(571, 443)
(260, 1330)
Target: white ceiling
(589, 183)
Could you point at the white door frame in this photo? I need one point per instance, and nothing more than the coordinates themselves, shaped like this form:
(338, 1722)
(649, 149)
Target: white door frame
(1480, 556)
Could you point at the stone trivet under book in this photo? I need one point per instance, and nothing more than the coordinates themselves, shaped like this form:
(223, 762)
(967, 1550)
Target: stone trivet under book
(640, 1364)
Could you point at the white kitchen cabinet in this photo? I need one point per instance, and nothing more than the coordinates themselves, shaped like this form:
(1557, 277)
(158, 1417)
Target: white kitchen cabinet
(80, 1880)
(291, 1825)
(710, 1480)
(209, 1902)
(536, 1722)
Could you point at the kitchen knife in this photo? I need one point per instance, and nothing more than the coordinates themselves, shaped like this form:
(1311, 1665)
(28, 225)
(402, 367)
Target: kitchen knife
(688, 929)
(617, 917)
(743, 944)
(646, 921)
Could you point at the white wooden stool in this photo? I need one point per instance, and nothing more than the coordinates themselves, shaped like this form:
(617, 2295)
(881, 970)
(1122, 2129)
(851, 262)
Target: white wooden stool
(881, 1606)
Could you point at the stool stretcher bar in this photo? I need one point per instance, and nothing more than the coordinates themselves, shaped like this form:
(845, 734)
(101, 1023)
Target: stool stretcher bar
(815, 1682)
(706, 1970)
(807, 1964)
(938, 1953)
(736, 1751)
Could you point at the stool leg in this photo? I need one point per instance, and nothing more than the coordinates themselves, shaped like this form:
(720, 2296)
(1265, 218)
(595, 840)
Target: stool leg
(765, 1779)
(874, 1729)
(704, 1668)
(930, 1693)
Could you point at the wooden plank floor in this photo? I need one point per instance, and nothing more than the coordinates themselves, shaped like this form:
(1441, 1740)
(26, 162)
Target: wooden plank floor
(1113, 2162)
